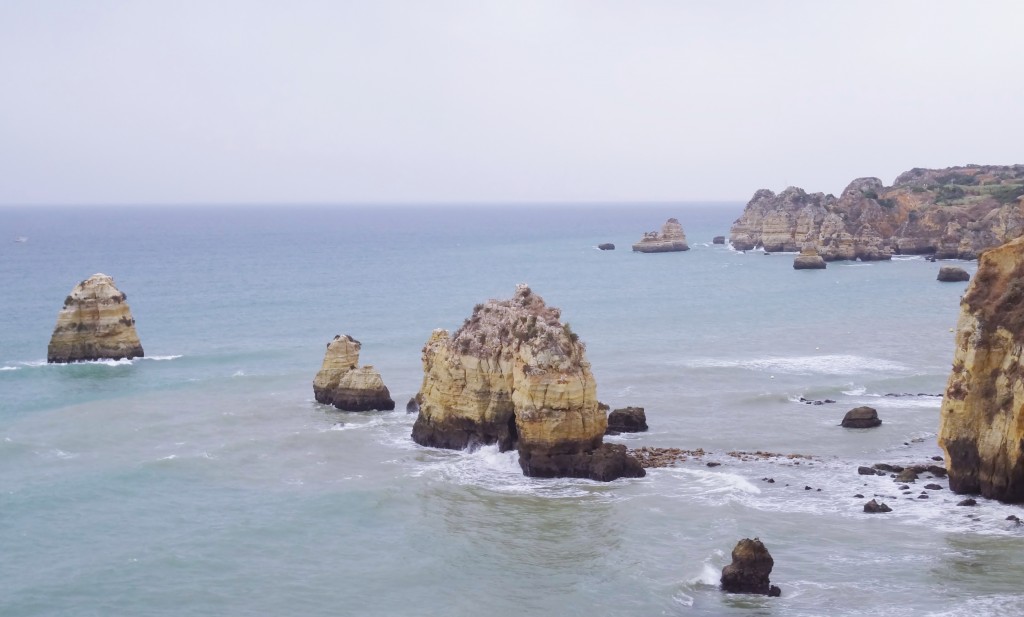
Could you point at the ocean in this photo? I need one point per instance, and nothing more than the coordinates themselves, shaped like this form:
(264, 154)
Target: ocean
(204, 479)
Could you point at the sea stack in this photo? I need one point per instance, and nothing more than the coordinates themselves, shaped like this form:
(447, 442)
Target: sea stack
(340, 383)
(808, 259)
(748, 573)
(670, 239)
(981, 426)
(95, 324)
(515, 375)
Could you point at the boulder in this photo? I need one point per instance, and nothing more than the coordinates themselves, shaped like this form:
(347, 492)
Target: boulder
(670, 239)
(981, 426)
(515, 375)
(718, 240)
(953, 274)
(873, 507)
(750, 568)
(627, 420)
(341, 383)
(413, 406)
(94, 324)
(808, 259)
(861, 417)
(606, 246)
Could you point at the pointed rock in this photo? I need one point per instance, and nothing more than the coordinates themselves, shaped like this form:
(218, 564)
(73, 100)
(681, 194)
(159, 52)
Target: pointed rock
(95, 324)
(340, 383)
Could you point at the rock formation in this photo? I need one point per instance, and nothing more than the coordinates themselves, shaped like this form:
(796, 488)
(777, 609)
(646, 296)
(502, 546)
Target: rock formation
(627, 420)
(671, 239)
(808, 259)
(606, 246)
(748, 573)
(953, 274)
(514, 375)
(718, 240)
(952, 213)
(340, 383)
(861, 417)
(982, 418)
(95, 324)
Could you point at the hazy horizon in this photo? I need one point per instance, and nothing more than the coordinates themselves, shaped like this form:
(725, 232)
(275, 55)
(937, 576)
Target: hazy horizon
(505, 102)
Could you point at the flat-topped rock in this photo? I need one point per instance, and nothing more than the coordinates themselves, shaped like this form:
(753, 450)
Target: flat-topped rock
(606, 246)
(340, 382)
(670, 239)
(808, 259)
(627, 420)
(953, 274)
(861, 417)
(94, 324)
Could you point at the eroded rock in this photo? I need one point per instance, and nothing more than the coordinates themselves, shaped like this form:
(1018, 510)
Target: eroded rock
(94, 324)
(861, 417)
(340, 382)
(953, 274)
(750, 568)
(627, 420)
(670, 239)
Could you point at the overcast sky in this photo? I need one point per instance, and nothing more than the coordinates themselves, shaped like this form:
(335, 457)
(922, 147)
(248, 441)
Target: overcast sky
(496, 101)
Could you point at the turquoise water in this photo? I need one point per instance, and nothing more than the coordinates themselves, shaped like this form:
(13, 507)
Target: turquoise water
(204, 479)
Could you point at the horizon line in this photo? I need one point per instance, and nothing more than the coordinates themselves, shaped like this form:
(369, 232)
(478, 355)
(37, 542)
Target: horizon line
(364, 204)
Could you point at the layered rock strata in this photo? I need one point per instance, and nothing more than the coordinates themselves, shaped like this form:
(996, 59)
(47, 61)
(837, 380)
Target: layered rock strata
(808, 259)
(94, 324)
(951, 213)
(981, 425)
(670, 239)
(515, 375)
(750, 568)
(340, 382)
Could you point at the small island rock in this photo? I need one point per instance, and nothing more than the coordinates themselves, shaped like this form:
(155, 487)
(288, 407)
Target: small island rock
(606, 246)
(750, 568)
(94, 324)
(809, 259)
(340, 383)
(627, 420)
(718, 240)
(861, 417)
(670, 239)
(953, 274)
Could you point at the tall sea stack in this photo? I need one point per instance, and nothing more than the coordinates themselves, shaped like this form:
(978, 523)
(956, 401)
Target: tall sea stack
(671, 239)
(982, 419)
(515, 375)
(340, 382)
(94, 324)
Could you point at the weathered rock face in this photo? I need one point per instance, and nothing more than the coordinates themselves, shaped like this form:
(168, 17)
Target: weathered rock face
(982, 419)
(95, 324)
(953, 274)
(861, 417)
(671, 239)
(340, 383)
(808, 259)
(953, 213)
(514, 375)
(748, 573)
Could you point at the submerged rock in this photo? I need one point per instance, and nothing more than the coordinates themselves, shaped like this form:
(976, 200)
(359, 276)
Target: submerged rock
(953, 274)
(627, 420)
(808, 259)
(94, 324)
(750, 568)
(670, 239)
(861, 417)
(515, 375)
(981, 425)
(340, 383)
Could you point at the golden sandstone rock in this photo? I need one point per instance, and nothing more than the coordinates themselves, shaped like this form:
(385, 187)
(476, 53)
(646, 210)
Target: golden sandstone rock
(514, 375)
(340, 383)
(95, 324)
(671, 239)
(982, 418)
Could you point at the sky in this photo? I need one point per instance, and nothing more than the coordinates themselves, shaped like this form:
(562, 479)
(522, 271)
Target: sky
(496, 101)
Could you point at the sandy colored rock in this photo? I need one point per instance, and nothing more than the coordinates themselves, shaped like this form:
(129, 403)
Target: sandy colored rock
(981, 425)
(808, 259)
(515, 375)
(953, 213)
(95, 324)
(670, 239)
(341, 383)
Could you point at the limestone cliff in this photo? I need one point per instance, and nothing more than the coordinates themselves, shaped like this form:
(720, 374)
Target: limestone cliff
(953, 213)
(982, 419)
(341, 383)
(95, 324)
(670, 239)
(514, 375)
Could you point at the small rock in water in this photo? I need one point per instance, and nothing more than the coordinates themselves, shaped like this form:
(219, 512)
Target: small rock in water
(936, 458)
(873, 507)
(807, 488)
(861, 417)
(606, 246)
(1013, 518)
(968, 502)
(907, 475)
(412, 406)
(858, 496)
(748, 573)
(866, 471)
(933, 487)
(923, 496)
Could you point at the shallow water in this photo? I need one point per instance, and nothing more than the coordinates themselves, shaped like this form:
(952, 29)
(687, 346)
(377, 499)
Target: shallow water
(204, 479)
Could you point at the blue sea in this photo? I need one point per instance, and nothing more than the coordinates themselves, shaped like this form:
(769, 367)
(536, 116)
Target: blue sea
(204, 479)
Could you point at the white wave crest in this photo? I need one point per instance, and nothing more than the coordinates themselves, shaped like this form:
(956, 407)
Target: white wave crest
(10, 368)
(834, 364)
(161, 358)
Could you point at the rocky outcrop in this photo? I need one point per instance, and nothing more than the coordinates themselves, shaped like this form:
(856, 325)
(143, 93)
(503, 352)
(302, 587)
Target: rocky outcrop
(95, 324)
(718, 240)
(627, 420)
(515, 375)
(341, 383)
(808, 259)
(606, 246)
(670, 239)
(861, 417)
(953, 274)
(750, 568)
(952, 213)
(981, 425)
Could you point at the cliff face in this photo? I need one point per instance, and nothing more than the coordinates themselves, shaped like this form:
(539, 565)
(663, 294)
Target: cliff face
(514, 375)
(670, 239)
(982, 418)
(340, 383)
(954, 213)
(95, 324)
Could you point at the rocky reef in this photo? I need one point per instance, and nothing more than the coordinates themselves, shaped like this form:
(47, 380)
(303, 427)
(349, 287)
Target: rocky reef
(341, 383)
(952, 213)
(515, 375)
(95, 324)
(981, 425)
(670, 239)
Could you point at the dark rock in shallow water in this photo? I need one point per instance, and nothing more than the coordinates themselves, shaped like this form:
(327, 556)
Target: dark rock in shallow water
(750, 568)
(606, 246)
(413, 406)
(968, 502)
(939, 472)
(873, 507)
(907, 475)
(888, 467)
(605, 463)
(867, 471)
(953, 274)
(861, 417)
(718, 240)
(933, 487)
(627, 420)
